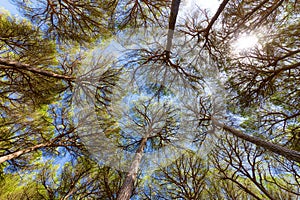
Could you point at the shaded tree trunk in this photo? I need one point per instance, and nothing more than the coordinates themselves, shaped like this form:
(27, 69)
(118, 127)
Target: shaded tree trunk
(127, 187)
(275, 148)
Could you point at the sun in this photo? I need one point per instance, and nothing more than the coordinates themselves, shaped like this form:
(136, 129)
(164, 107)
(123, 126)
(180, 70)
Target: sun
(245, 42)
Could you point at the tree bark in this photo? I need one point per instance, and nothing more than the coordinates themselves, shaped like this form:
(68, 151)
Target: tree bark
(216, 16)
(275, 148)
(172, 22)
(8, 64)
(127, 187)
(23, 151)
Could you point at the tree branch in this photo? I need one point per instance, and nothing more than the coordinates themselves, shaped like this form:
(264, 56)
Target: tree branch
(8, 64)
(283, 151)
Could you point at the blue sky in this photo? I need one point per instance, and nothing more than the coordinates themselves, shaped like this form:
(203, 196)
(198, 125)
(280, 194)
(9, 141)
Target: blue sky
(6, 4)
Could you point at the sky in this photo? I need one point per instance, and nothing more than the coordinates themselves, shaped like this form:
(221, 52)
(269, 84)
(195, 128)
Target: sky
(8, 6)
(204, 4)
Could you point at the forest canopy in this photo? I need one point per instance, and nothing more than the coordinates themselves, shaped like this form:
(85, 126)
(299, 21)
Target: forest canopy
(161, 99)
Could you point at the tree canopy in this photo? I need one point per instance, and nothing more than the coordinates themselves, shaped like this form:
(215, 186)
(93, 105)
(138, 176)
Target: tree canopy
(160, 99)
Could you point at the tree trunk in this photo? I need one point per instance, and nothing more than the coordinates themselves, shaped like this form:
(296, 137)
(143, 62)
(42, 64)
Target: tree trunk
(172, 22)
(215, 17)
(23, 151)
(8, 64)
(127, 187)
(275, 148)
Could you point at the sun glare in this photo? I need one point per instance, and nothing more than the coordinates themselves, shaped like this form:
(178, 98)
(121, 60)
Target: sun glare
(245, 42)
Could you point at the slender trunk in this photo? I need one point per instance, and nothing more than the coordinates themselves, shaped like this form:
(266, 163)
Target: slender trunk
(275, 148)
(172, 22)
(215, 17)
(23, 151)
(127, 187)
(8, 64)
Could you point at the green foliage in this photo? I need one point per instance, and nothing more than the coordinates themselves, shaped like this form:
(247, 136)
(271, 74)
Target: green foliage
(13, 187)
(83, 179)
(25, 128)
(21, 41)
(80, 21)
